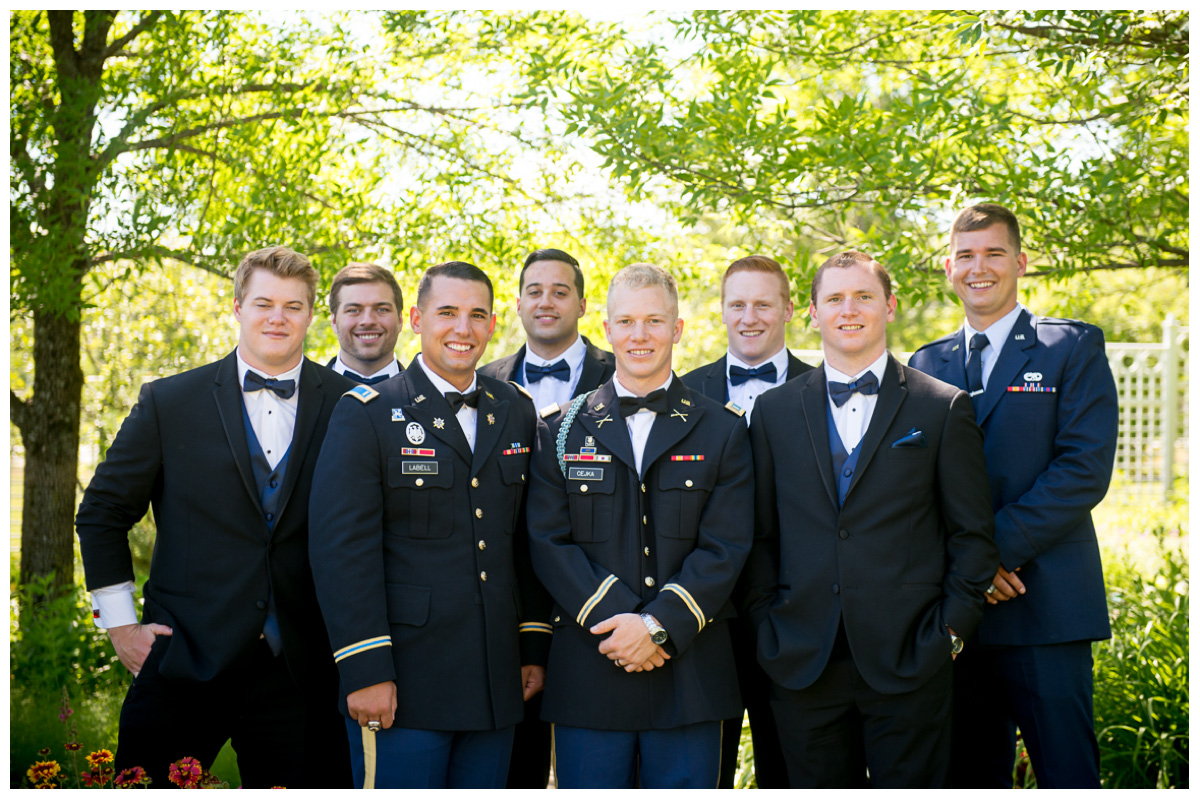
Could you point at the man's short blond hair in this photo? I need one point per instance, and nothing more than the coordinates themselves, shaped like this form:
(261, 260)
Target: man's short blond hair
(280, 261)
(640, 276)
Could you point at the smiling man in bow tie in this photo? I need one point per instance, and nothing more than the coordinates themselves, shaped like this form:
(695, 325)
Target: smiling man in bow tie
(420, 559)
(367, 314)
(872, 547)
(1044, 395)
(224, 455)
(639, 522)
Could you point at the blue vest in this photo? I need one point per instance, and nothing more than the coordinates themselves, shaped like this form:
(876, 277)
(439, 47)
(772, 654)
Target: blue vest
(270, 488)
(844, 463)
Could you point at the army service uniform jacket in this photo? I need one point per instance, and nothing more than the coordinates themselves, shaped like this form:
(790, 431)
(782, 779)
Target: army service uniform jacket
(419, 552)
(669, 542)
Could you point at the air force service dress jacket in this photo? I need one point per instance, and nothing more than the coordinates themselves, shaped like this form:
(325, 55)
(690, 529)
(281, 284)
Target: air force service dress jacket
(1049, 418)
(420, 555)
(669, 542)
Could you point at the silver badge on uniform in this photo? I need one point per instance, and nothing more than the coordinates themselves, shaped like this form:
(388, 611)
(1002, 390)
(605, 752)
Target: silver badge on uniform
(590, 441)
(415, 433)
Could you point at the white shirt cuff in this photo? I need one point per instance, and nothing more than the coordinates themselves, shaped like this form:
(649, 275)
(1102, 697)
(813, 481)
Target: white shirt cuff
(112, 606)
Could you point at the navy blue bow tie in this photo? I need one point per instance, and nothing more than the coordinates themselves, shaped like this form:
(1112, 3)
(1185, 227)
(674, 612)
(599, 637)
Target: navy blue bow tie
(739, 375)
(559, 370)
(253, 382)
(840, 392)
(371, 381)
(457, 401)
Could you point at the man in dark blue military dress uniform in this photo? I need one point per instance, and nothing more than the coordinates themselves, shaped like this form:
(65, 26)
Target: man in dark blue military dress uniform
(420, 558)
(640, 515)
(1045, 398)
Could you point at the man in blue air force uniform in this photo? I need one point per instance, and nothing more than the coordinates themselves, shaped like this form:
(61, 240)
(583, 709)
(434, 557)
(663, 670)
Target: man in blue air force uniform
(639, 524)
(1045, 397)
(420, 558)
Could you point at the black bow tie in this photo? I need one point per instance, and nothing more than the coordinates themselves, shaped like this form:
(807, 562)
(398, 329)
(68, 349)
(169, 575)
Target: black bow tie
(560, 370)
(253, 382)
(457, 401)
(656, 401)
(840, 392)
(739, 375)
(371, 381)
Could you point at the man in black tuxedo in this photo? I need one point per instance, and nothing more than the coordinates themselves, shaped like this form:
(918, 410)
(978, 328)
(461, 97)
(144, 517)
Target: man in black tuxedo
(554, 365)
(366, 308)
(419, 551)
(756, 306)
(873, 547)
(231, 643)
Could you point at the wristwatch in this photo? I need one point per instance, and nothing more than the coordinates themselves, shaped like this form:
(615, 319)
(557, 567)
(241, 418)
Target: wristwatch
(658, 634)
(956, 642)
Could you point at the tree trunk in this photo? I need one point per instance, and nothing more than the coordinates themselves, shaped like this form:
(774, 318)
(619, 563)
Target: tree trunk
(49, 425)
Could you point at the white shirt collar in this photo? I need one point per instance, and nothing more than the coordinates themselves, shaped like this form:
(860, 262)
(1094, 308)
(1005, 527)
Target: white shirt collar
(573, 354)
(623, 392)
(780, 360)
(877, 367)
(391, 370)
(440, 383)
(243, 368)
(997, 332)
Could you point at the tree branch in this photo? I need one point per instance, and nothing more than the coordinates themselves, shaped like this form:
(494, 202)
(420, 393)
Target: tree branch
(147, 21)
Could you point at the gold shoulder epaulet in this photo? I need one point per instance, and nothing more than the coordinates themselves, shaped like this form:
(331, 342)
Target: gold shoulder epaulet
(521, 389)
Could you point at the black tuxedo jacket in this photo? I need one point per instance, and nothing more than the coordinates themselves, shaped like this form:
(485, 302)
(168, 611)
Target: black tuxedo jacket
(598, 366)
(710, 380)
(420, 553)
(183, 452)
(669, 542)
(909, 552)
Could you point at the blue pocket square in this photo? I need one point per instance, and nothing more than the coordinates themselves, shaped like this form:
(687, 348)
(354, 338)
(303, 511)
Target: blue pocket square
(914, 438)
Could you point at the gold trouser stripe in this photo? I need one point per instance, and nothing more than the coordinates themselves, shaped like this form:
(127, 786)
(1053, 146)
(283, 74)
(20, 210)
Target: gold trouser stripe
(720, 753)
(368, 758)
(553, 755)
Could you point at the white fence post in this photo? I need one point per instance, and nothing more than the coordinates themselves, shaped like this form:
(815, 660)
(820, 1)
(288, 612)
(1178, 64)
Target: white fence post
(1170, 401)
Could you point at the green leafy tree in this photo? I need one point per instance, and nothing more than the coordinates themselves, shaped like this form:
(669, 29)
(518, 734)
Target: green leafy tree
(817, 131)
(160, 139)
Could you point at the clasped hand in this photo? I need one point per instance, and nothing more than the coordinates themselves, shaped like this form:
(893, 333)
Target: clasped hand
(630, 646)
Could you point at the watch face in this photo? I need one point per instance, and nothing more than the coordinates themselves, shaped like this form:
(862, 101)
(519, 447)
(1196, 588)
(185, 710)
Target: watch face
(659, 637)
(956, 645)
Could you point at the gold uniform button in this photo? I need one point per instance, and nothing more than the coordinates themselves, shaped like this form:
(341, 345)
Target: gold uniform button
(643, 519)
(643, 488)
(649, 581)
(687, 484)
(483, 576)
(474, 483)
(583, 488)
(420, 481)
(479, 513)
(522, 477)
(558, 619)
(482, 544)
(646, 550)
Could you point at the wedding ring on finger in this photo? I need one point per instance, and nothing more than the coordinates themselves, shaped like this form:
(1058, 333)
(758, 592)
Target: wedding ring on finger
(991, 589)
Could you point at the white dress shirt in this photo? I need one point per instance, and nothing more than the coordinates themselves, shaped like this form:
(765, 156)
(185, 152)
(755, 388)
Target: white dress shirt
(639, 424)
(273, 420)
(997, 334)
(466, 415)
(853, 417)
(391, 370)
(744, 396)
(550, 390)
